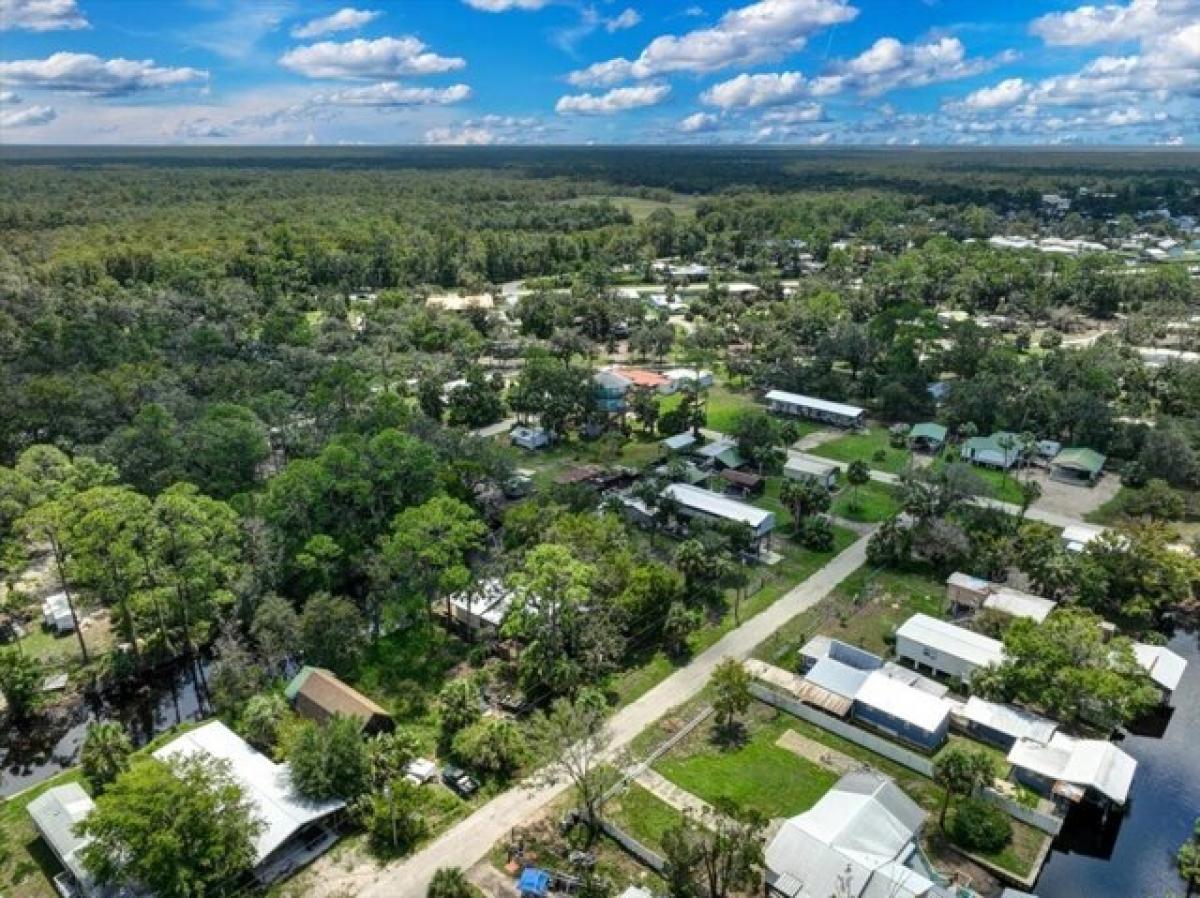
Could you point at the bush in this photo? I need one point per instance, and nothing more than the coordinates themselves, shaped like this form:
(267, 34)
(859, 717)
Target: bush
(815, 534)
(979, 826)
(493, 745)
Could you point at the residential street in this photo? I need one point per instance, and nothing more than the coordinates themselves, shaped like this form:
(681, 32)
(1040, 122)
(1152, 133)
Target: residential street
(470, 840)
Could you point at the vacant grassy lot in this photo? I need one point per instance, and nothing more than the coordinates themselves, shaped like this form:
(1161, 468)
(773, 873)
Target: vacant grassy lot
(756, 773)
(725, 405)
(873, 502)
(642, 815)
(864, 446)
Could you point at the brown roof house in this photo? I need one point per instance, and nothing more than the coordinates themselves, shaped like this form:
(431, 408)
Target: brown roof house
(317, 694)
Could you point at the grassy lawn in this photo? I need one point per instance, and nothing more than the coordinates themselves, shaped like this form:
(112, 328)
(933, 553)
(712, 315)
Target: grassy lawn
(1017, 857)
(1000, 485)
(640, 451)
(641, 208)
(724, 406)
(864, 610)
(756, 774)
(875, 502)
(642, 815)
(864, 446)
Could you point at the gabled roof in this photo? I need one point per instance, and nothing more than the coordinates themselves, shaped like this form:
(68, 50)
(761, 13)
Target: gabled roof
(708, 502)
(1008, 719)
(808, 465)
(1164, 666)
(928, 430)
(903, 702)
(680, 441)
(822, 405)
(1080, 459)
(1086, 763)
(267, 785)
(1016, 603)
(956, 641)
(854, 842)
(56, 813)
(640, 377)
(319, 694)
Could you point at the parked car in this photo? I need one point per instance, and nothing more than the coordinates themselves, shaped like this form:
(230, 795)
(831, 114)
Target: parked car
(420, 771)
(460, 781)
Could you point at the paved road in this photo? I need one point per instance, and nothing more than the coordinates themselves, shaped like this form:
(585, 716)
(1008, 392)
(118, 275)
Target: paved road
(470, 840)
(494, 430)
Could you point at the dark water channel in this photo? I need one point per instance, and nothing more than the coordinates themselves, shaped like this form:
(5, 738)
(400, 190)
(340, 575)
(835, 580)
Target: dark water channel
(30, 754)
(1135, 858)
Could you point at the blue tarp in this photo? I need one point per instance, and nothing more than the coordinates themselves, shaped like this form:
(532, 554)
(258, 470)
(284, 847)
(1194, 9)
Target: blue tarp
(534, 882)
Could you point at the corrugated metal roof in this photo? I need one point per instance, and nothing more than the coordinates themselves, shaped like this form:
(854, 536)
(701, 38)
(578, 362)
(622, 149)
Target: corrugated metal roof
(821, 405)
(1008, 719)
(836, 677)
(710, 503)
(267, 785)
(1015, 603)
(899, 700)
(957, 642)
(1086, 763)
(55, 813)
(808, 466)
(1081, 459)
(1164, 666)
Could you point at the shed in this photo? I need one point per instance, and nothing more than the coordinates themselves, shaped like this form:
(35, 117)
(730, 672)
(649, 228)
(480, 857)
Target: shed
(55, 814)
(946, 649)
(56, 612)
(928, 436)
(973, 593)
(800, 466)
(743, 482)
(317, 695)
(1002, 725)
(820, 647)
(530, 437)
(705, 504)
(1078, 465)
(837, 413)
(678, 378)
(907, 713)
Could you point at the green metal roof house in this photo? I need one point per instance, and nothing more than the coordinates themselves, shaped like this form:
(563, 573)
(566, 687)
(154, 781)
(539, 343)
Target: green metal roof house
(927, 436)
(1078, 465)
(990, 452)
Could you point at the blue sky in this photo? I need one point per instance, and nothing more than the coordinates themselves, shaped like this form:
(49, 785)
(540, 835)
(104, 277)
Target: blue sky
(603, 71)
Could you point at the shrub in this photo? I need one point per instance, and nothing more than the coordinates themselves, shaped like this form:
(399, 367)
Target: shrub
(979, 826)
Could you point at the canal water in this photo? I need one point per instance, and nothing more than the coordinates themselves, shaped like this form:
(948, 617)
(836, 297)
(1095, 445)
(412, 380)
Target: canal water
(36, 752)
(1136, 857)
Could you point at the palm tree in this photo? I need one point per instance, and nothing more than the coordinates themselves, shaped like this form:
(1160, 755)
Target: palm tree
(105, 753)
(450, 882)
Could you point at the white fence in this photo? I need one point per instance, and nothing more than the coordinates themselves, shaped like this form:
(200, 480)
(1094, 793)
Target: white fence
(847, 731)
(1050, 824)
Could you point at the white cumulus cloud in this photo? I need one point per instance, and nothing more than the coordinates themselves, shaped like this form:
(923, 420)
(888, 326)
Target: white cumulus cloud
(768, 29)
(1008, 92)
(9, 98)
(796, 115)
(629, 18)
(749, 91)
(616, 100)
(1114, 22)
(698, 122)
(345, 19)
(463, 136)
(41, 15)
(87, 74)
(25, 118)
(385, 57)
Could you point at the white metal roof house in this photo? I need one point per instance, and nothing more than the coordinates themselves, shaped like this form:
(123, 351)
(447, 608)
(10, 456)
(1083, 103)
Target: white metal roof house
(945, 648)
(530, 437)
(701, 503)
(800, 466)
(55, 814)
(838, 413)
(56, 612)
(902, 710)
(1164, 666)
(292, 835)
(483, 606)
(861, 840)
(1002, 724)
(679, 377)
(1074, 769)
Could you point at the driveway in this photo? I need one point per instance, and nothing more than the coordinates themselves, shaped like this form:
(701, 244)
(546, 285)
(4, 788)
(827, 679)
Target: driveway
(471, 839)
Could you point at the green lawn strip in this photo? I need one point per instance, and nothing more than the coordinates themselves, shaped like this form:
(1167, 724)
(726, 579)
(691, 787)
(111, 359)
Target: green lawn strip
(756, 774)
(642, 815)
(864, 446)
(874, 502)
(1001, 485)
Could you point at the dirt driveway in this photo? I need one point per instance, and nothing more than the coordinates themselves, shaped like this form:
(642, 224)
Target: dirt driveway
(1074, 500)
